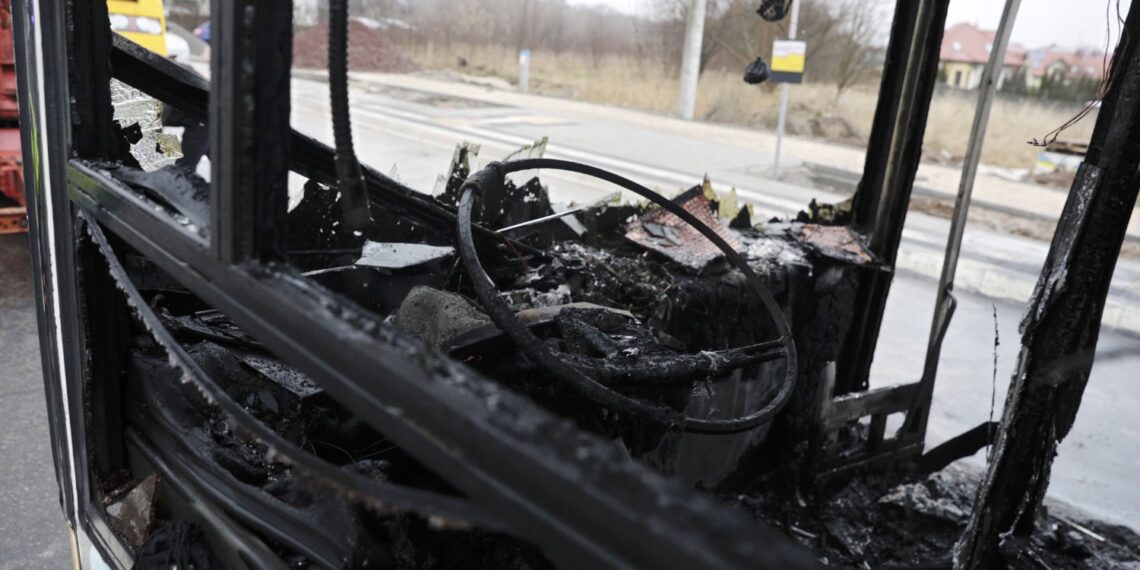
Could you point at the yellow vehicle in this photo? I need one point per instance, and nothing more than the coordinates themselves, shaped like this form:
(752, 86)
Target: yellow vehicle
(142, 21)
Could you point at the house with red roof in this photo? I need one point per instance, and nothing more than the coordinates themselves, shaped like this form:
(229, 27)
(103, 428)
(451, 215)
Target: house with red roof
(1064, 67)
(965, 51)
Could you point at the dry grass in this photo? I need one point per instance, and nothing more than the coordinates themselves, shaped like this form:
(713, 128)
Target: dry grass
(724, 97)
(1012, 124)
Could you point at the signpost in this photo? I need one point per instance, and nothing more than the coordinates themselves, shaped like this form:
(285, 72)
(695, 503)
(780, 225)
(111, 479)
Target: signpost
(787, 67)
(524, 70)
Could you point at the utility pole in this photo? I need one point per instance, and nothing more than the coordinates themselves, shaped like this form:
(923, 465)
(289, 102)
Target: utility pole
(691, 59)
(793, 27)
(524, 25)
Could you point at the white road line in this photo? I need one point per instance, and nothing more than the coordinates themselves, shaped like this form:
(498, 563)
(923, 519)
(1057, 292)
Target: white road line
(681, 179)
(583, 183)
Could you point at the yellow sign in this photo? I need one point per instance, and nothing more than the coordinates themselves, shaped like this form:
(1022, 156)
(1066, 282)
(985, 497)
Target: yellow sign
(788, 61)
(141, 21)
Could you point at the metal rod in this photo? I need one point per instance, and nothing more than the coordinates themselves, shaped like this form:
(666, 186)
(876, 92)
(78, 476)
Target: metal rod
(944, 302)
(606, 200)
(785, 91)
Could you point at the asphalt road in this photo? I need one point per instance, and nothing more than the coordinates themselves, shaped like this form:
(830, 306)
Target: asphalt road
(32, 529)
(413, 135)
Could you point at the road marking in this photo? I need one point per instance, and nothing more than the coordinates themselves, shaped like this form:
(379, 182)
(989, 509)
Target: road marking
(683, 180)
(524, 119)
(576, 183)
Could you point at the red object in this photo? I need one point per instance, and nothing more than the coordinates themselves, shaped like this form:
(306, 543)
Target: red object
(368, 50)
(13, 215)
(967, 44)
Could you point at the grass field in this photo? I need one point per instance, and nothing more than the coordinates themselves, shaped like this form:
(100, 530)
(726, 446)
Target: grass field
(724, 97)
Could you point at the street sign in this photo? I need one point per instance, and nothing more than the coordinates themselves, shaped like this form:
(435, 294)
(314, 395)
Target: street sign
(788, 61)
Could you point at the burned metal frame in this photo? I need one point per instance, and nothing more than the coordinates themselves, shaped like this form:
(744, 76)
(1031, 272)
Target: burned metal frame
(1062, 324)
(165, 81)
(250, 158)
(583, 501)
(894, 151)
(879, 212)
(52, 252)
(880, 209)
(577, 497)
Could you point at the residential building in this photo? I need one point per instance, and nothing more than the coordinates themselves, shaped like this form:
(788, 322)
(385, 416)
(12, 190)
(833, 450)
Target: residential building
(1063, 67)
(965, 52)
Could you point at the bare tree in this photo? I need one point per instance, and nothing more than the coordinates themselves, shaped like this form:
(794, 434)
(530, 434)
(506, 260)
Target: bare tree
(855, 41)
(841, 34)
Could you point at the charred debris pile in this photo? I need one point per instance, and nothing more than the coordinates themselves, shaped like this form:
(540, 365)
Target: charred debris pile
(369, 49)
(620, 316)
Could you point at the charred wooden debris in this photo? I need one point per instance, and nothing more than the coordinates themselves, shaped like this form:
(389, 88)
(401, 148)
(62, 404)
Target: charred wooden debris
(483, 378)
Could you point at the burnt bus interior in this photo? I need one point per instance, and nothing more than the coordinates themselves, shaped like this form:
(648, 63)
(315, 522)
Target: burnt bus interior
(382, 378)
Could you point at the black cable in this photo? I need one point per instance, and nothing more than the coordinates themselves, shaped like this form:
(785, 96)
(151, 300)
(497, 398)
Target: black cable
(503, 316)
(350, 177)
(673, 371)
(613, 368)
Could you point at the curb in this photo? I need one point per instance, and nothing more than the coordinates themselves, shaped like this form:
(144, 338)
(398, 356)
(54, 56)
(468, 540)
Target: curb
(997, 282)
(841, 180)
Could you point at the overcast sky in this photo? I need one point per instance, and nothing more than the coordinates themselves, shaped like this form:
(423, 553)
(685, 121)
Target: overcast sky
(1044, 22)
(1068, 23)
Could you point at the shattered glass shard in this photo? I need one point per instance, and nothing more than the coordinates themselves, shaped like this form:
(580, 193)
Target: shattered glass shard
(154, 149)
